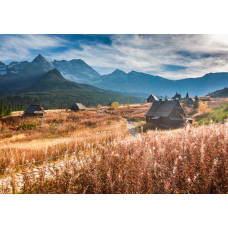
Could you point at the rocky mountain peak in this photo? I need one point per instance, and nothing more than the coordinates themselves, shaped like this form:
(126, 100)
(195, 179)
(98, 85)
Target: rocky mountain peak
(2, 64)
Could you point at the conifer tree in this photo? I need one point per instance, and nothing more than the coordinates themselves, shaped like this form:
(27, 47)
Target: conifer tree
(196, 103)
(187, 96)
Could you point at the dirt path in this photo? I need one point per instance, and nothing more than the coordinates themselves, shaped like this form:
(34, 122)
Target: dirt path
(131, 127)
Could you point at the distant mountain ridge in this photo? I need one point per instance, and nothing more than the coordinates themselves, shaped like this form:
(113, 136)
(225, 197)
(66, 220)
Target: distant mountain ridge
(141, 83)
(220, 93)
(20, 75)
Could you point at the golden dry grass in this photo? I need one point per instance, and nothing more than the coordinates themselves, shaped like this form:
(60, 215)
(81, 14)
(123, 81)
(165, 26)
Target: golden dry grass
(188, 160)
(191, 160)
(56, 134)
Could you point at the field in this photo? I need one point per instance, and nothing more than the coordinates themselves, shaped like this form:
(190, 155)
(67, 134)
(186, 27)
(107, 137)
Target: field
(93, 152)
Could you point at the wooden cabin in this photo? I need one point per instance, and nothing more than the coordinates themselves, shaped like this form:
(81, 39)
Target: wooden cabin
(165, 114)
(189, 101)
(151, 98)
(34, 110)
(77, 107)
(177, 96)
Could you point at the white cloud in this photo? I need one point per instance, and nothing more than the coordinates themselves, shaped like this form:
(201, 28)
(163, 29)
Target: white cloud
(200, 54)
(197, 54)
(20, 47)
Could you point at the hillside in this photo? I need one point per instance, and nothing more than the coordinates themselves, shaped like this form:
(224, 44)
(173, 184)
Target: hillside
(53, 80)
(52, 90)
(220, 93)
(141, 84)
(219, 114)
(77, 70)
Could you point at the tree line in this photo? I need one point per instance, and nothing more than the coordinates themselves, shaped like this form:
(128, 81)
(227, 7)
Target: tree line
(5, 109)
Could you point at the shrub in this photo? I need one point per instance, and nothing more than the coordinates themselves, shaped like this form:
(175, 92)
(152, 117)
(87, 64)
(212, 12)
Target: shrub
(115, 104)
(108, 122)
(27, 126)
(99, 106)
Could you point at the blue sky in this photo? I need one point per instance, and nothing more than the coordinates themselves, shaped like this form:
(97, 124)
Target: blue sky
(170, 56)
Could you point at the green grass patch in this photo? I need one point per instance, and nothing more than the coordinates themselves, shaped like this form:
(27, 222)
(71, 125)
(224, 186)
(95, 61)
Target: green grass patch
(217, 115)
(27, 126)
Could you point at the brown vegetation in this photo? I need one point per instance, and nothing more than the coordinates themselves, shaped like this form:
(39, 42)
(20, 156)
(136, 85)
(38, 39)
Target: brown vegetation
(101, 157)
(182, 161)
(31, 140)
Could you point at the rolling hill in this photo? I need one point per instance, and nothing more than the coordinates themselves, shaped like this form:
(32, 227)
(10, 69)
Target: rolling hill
(52, 90)
(220, 93)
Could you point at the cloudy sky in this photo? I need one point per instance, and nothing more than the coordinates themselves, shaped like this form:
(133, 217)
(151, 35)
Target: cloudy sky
(170, 56)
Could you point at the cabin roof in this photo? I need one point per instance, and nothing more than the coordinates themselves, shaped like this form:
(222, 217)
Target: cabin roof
(152, 96)
(77, 106)
(34, 109)
(189, 101)
(177, 96)
(162, 108)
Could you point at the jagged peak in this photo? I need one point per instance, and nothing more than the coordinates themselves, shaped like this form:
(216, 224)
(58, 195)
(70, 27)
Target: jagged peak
(2, 64)
(39, 58)
(78, 61)
(118, 71)
(54, 74)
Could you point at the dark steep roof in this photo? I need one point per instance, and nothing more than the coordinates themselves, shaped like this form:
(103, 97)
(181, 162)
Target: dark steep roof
(77, 106)
(34, 109)
(189, 101)
(162, 108)
(152, 97)
(177, 96)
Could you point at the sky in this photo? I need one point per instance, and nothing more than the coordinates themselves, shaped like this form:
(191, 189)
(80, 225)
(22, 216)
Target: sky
(169, 56)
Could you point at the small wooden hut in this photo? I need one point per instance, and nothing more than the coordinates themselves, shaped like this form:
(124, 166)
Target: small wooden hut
(177, 96)
(189, 101)
(165, 114)
(77, 107)
(151, 98)
(34, 110)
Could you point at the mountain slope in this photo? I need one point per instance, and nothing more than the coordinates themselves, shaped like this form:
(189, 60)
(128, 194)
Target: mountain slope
(220, 93)
(140, 84)
(19, 75)
(52, 90)
(77, 70)
(28, 74)
(54, 81)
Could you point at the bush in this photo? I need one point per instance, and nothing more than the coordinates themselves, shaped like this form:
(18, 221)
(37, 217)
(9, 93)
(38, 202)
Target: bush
(99, 106)
(108, 122)
(27, 126)
(115, 104)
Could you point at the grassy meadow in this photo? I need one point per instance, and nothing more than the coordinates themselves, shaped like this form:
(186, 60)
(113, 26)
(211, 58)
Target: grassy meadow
(93, 152)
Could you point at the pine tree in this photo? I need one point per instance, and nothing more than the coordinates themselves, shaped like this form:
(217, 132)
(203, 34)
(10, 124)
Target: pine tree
(187, 96)
(196, 103)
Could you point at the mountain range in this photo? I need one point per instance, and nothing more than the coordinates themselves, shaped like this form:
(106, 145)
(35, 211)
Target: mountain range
(19, 76)
(52, 91)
